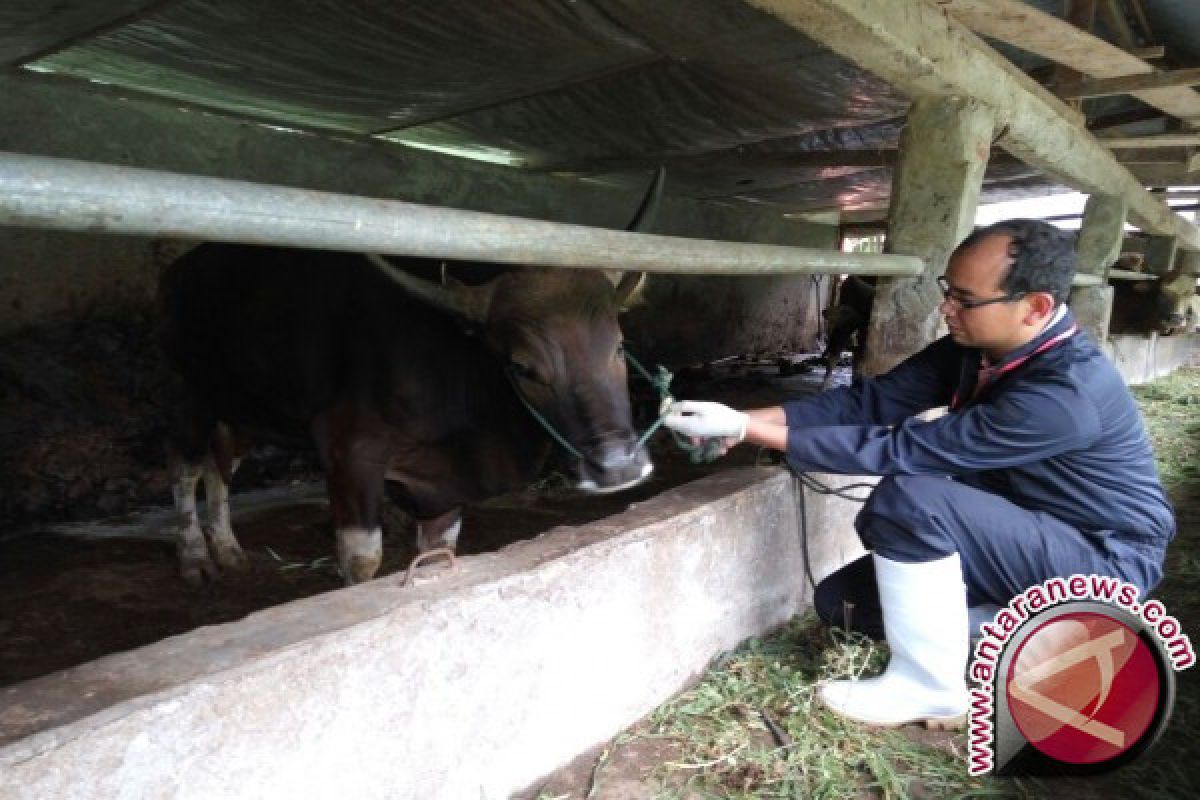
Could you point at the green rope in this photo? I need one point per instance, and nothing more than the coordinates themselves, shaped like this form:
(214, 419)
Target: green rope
(661, 381)
(710, 450)
(545, 423)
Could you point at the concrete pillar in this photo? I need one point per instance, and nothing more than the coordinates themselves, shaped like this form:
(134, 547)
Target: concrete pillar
(1160, 254)
(943, 153)
(1189, 262)
(1100, 238)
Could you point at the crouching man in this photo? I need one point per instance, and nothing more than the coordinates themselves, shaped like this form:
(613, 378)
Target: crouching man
(1041, 468)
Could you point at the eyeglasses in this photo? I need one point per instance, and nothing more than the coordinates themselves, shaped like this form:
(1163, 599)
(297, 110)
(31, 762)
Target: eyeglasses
(966, 305)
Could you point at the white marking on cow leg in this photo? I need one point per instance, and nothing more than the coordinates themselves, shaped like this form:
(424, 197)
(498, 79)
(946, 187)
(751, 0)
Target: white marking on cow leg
(194, 563)
(447, 538)
(440, 531)
(223, 543)
(360, 552)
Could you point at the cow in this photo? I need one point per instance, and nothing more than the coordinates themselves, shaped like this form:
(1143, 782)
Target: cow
(429, 386)
(847, 319)
(1163, 306)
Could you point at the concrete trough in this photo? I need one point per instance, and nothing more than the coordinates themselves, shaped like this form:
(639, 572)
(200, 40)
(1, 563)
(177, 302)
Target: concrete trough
(469, 684)
(1142, 358)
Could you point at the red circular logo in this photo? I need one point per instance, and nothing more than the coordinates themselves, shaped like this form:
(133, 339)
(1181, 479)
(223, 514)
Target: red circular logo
(1083, 688)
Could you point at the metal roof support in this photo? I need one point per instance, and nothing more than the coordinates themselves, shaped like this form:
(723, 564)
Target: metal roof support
(63, 194)
(923, 52)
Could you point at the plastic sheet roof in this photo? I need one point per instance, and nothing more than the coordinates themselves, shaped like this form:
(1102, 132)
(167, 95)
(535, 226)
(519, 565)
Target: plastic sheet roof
(739, 105)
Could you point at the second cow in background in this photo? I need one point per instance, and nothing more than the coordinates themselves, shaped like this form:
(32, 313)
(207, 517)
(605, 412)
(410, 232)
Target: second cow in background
(847, 317)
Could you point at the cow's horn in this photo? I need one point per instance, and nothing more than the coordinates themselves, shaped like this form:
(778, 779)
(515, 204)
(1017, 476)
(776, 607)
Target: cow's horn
(628, 287)
(631, 282)
(470, 302)
(643, 220)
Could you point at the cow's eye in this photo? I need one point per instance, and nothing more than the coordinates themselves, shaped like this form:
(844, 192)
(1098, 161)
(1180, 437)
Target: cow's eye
(524, 371)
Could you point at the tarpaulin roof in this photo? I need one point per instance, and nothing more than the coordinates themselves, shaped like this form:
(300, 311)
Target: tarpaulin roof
(739, 104)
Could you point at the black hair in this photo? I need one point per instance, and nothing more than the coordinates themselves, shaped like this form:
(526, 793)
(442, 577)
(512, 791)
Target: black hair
(1043, 257)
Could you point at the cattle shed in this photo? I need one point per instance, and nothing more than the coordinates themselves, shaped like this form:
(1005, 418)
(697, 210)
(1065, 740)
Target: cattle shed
(521, 132)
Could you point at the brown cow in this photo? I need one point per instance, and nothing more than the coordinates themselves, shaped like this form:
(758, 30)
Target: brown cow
(395, 378)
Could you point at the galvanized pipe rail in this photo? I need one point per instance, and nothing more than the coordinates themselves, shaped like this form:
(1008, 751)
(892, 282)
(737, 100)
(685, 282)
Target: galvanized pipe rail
(1130, 275)
(63, 194)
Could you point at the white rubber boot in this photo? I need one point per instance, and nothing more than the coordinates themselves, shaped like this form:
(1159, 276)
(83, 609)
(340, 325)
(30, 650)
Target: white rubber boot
(925, 619)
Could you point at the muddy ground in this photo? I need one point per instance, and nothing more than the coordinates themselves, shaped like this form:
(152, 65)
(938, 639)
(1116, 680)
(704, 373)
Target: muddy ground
(82, 574)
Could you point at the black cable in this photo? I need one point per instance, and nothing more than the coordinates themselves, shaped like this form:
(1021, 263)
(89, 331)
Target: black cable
(803, 481)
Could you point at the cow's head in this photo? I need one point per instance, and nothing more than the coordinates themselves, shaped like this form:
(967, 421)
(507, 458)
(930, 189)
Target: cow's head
(1170, 299)
(557, 333)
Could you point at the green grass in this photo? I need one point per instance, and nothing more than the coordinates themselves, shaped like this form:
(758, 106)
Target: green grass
(752, 728)
(1171, 408)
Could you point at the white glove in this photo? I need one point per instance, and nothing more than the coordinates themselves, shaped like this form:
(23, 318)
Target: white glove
(695, 418)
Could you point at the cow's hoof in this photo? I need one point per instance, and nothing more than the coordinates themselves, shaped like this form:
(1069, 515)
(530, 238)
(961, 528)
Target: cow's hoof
(226, 551)
(198, 570)
(360, 569)
(231, 559)
(360, 552)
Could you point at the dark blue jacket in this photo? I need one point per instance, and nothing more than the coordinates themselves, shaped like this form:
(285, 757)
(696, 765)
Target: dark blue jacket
(1059, 433)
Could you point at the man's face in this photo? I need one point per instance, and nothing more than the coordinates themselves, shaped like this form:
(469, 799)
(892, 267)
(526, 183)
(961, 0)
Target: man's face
(974, 274)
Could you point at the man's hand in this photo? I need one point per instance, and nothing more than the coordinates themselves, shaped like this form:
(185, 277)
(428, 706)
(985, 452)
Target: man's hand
(695, 418)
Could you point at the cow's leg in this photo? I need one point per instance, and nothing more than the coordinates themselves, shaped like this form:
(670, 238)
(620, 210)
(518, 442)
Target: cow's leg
(440, 531)
(224, 545)
(831, 359)
(194, 562)
(858, 352)
(218, 472)
(355, 465)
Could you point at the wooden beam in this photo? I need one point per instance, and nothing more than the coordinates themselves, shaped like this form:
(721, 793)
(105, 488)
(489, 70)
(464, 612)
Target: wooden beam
(1035, 31)
(1155, 140)
(1114, 18)
(1103, 87)
(1149, 53)
(924, 52)
(1081, 14)
(1120, 119)
(1166, 174)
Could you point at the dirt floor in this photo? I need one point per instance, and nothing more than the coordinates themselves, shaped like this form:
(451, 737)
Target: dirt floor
(83, 574)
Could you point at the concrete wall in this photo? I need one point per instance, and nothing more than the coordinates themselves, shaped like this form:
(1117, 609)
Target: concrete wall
(469, 685)
(1142, 358)
(44, 274)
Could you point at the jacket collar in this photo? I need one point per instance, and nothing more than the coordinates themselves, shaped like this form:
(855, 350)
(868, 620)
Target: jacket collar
(976, 376)
(1062, 321)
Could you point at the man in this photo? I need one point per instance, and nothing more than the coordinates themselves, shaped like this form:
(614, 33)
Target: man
(1040, 468)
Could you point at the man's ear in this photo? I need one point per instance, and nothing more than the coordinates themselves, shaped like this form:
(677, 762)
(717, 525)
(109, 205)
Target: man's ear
(1041, 307)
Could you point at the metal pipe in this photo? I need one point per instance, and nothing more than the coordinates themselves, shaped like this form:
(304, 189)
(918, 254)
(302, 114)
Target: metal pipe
(1131, 275)
(41, 192)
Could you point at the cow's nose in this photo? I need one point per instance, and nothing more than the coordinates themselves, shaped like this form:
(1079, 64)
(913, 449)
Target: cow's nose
(614, 466)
